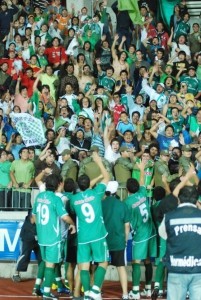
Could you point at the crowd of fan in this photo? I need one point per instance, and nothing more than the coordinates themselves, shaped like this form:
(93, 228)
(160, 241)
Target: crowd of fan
(130, 95)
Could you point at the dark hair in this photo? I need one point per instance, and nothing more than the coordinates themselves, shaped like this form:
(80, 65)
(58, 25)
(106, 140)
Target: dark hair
(22, 149)
(114, 140)
(188, 194)
(136, 112)
(52, 182)
(169, 126)
(155, 145)
(110, 68)
(87, 42)
(45, 86)
(81, 102)
(173, 184)
(49, 130)
(79, 55)
(182, 52)
(119, 55)
(161, 50)
(22, 87)
(69, 185)
(31, 148)
(124, 71)
(2, 150)
(132, 185)
(56, 38)
(83, 182)
(158, 193)
(127, 132)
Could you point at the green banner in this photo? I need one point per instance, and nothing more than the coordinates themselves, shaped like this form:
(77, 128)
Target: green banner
(132, 7)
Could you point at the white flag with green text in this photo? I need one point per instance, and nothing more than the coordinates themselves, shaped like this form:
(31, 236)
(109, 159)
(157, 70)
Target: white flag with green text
(30, 128)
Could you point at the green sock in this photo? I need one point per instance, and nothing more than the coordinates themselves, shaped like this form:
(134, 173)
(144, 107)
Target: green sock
(136, 274)
(148, 273)
(159, 272)
(49, 277)
(40, 274)
(99, 276)
(85, 279)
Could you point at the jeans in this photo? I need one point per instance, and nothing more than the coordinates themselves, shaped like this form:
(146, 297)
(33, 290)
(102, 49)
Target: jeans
(179, 284)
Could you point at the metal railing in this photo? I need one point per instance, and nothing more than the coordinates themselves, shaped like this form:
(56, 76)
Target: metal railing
(16, 199)
(12, 199)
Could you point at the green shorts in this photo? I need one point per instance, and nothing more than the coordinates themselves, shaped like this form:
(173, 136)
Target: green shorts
(51, 254)
(161, 251)
(94, 251)
(144, 249)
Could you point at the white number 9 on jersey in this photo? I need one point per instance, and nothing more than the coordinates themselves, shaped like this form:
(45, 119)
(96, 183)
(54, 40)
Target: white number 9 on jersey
(88, 212)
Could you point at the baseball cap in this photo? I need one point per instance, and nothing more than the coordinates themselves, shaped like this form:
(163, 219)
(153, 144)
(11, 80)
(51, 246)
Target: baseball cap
(82, 114)
(65, 152)
(186, 148)
(161, 84)
(165, 152)
(80, 129)
(94, 148)
(61, 127)
(189, 97)
(123, 148)
(112, 187)
(191, 68)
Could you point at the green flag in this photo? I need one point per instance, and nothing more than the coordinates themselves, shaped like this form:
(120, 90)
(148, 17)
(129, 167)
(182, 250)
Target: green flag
(132, 7)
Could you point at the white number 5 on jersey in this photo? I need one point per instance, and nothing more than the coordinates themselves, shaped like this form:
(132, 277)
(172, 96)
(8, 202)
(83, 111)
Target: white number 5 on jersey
(144, 212)
(88, 212)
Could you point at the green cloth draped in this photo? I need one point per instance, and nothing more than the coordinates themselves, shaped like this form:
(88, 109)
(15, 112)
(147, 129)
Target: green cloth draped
(132, 7)
(35, 102)
(165, 10)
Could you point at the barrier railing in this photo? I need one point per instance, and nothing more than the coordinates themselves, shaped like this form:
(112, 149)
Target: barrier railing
(16, 199)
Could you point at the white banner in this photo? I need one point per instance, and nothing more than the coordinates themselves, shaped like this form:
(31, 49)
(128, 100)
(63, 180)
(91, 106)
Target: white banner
(30, 128)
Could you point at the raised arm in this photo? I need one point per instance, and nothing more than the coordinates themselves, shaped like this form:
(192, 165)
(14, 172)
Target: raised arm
(114, 55)
(97, 159)
(120, 48)
(191, 173)
(170, 38)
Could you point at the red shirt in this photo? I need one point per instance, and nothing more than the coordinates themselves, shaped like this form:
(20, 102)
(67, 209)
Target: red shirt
(118, 108)
(56, 55)
(28, 82)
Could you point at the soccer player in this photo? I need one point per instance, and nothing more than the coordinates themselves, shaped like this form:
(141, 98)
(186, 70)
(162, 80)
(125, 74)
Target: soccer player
(116, 218)
(144, 242)
(47, 210)
(92, 245)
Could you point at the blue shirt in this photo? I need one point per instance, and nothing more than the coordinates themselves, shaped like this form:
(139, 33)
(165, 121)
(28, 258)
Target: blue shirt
(165, 142)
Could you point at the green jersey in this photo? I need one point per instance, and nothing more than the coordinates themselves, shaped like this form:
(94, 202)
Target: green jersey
(48, 209)
(107, 82)
(140, 215)
(116, 215)
(148, 174)
(87, 206)
(178, 125)
(194, 85)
